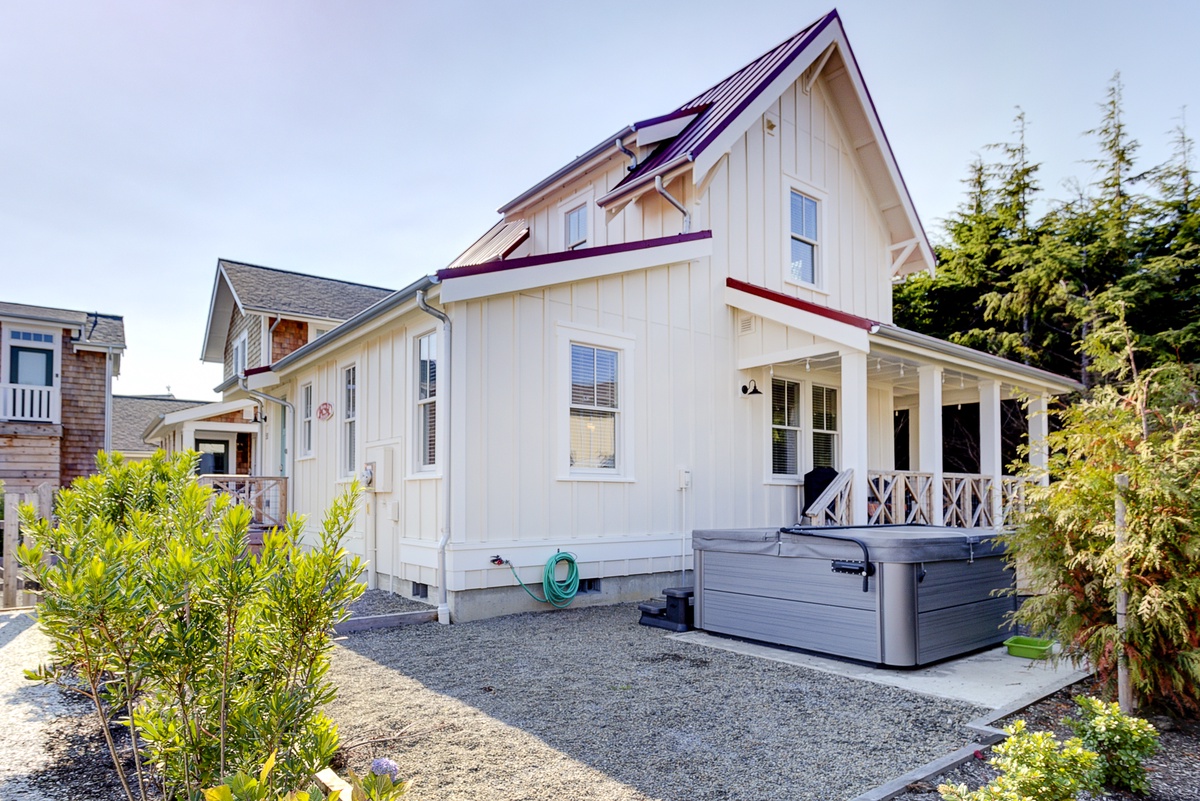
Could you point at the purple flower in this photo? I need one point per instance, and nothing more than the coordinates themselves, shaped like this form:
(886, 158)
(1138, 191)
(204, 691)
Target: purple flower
(385, 767)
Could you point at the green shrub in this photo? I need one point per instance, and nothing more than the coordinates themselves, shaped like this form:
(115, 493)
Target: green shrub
(1122, 741)
(375, 786)
(1034, 766)
(214, 659)
(1065, 544)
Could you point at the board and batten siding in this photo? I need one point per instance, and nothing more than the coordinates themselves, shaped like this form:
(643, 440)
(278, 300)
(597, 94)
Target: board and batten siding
(408, 509)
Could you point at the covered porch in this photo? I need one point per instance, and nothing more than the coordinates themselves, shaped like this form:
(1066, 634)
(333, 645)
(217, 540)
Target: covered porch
(912, 425)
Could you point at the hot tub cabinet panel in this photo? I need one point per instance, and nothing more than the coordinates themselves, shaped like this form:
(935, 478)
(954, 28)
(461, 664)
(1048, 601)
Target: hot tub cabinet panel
(930, 594)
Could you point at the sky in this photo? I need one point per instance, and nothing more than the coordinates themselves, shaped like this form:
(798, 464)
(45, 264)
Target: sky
(373, 141)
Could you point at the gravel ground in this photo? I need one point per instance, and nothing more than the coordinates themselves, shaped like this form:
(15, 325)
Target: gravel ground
(382, 602)
(1174, 771)
(587, 704)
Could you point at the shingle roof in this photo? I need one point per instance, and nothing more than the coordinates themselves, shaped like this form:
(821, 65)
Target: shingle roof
(131, 415)
(265, 289)
(95, 328)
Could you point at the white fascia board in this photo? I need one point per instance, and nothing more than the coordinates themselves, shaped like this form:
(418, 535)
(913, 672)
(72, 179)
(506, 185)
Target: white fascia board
(517, 279)
(262, 380)
(708, 158)
(961, 358)
(835, 331)
(205, 411)
(214, 339)
(657, 132)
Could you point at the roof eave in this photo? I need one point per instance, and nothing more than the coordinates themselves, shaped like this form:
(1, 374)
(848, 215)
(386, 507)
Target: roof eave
(542, 186)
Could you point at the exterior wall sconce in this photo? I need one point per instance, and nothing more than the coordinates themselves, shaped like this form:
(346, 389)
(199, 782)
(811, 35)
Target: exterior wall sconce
(751, 388)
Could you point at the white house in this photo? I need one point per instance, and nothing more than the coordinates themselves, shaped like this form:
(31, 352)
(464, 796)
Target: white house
(664, 335)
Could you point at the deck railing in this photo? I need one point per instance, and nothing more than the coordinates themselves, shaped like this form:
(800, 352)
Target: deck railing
(832, 507)
(967, 500)
(266, 496)
(899, 497)
(906, 498)
(27, 404)
(1012, 498)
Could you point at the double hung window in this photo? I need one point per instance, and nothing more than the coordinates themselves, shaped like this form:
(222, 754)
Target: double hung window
(595, 408)
(824, 423)
(804, 266)
(576, 227)
(427, 401)
(306, 420)
(785, 428)
(350, 420)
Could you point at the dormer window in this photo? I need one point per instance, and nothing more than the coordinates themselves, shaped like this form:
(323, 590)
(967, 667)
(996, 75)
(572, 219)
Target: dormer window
(240, 347)
(30, 361)
(576, 227)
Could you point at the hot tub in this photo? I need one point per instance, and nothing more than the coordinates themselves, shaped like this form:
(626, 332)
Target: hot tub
(899, 596)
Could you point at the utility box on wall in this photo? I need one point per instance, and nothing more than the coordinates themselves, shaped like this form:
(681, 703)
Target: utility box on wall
(382, 457)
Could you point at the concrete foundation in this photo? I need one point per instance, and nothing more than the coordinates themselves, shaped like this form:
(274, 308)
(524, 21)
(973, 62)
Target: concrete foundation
(467, 605)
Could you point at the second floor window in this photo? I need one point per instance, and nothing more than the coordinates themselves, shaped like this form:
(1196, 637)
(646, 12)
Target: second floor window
(576, 222)
(240, 347)
(804, 230)
(427, 400)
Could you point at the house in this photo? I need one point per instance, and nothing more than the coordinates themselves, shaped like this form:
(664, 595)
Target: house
(257, 315)
(56, 371)
(666, 334)
(131, 414)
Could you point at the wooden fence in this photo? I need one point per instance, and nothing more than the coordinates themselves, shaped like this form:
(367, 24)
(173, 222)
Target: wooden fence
(14, 594)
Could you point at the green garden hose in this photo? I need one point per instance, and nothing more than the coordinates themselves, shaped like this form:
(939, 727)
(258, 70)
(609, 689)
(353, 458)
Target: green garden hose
(558, 593)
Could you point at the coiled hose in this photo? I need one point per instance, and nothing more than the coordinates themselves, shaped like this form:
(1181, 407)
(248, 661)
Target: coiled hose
(558, 593)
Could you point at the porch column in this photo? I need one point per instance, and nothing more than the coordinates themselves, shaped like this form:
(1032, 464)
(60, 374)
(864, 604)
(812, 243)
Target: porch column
(929, 458)
(1037, 413)
(991, 461)
(853, 426)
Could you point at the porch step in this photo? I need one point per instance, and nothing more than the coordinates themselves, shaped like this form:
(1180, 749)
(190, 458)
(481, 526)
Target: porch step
(673, 612)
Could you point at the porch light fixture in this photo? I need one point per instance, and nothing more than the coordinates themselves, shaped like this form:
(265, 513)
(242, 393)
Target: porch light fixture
(807, 366)
(751, 388)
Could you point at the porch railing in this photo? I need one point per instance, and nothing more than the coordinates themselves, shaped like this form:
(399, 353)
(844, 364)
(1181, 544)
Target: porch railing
(1012, 498)
(967, 500)
(265, 496)
(832, 507)
(899, 497)
(26, 403)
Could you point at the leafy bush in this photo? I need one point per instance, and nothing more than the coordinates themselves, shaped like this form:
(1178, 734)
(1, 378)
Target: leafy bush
(1065, 543)
(1122, 741)
(1034, 766)
(156, 613)
(375, 786)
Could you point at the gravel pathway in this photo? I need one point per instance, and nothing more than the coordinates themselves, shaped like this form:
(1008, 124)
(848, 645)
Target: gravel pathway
(382, 602)
(28, 710)
(587, 704)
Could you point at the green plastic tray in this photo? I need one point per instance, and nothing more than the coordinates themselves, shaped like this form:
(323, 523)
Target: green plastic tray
(1028, 647)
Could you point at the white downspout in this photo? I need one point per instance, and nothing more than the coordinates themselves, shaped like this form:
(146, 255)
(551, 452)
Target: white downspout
(687, 217)
(443, 609)
(108, 403)
(262, 398)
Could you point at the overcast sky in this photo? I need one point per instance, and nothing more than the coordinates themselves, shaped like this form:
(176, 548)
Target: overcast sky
(373, 141)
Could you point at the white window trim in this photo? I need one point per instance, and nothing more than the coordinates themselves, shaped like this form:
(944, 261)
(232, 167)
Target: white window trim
(801, 391)
(821, 246)
(813, 430)
(625, 346)
(242, 344)
(418, 463)
(6, 342)
(307, 429)
(806, 381)
(345, 471)
(416, 471)
(316, 330)
(567, 205)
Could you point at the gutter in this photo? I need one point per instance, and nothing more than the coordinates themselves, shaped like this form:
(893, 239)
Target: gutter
(443, 610)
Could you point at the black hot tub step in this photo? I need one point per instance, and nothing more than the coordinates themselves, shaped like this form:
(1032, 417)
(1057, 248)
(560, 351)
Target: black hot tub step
(653, 607)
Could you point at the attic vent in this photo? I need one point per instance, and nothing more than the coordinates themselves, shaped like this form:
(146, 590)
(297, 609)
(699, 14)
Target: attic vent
(746, 324)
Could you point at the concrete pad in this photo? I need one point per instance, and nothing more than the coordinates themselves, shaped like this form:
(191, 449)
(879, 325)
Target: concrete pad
(991, 679)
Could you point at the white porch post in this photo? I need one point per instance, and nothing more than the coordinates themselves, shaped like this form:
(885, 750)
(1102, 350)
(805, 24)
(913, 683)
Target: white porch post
(991, 461)
(1039, 428)
(853, 426)
(929, 459)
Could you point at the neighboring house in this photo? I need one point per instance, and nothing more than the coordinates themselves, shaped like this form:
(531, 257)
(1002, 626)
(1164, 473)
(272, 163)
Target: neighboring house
(131, 416)
(56, 371)
(666, 334)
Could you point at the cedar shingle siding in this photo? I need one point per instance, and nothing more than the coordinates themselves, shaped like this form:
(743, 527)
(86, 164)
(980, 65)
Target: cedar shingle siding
(83, 380)
(289, 335)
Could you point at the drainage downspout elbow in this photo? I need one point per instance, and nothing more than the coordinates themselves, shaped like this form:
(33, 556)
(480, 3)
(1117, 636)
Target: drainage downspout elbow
(687, 217)
(443, 610)
(264, 398)
(633, 159)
